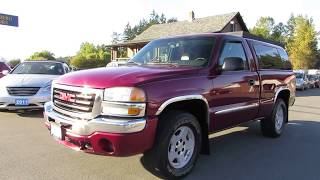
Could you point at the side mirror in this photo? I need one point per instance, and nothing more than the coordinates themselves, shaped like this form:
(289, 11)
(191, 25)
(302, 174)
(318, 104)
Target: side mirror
(233, 64)
(5, 72)
(219, 69)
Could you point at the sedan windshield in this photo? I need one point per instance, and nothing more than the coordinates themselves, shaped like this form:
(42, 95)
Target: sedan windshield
(187, 51)
(49, 68)
(299, 75)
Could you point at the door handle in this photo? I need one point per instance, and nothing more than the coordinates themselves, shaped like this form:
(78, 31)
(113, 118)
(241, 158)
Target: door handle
(251, 82)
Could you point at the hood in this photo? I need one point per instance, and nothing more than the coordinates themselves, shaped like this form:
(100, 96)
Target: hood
(122, 76)
(27, 80)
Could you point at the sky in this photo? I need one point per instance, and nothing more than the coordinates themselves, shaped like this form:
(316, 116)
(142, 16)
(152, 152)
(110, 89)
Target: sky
(60, 26)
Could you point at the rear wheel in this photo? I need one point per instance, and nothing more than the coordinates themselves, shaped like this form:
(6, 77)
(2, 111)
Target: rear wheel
(274, 125)
(177, 145)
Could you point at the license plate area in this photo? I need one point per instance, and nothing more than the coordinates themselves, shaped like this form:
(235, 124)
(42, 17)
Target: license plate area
(21, 102)
(56, 131)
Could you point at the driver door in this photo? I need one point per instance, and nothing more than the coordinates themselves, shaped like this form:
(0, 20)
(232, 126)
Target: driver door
(236, 88)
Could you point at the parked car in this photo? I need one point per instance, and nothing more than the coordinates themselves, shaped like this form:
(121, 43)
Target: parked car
(317, 79)
(312, 80)
(170, 96)
(28, 85)
(118, 62)
(302, 82)
(4, 68)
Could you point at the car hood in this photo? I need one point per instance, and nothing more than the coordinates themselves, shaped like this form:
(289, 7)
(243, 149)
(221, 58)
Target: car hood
(122, 76)
(27, 80)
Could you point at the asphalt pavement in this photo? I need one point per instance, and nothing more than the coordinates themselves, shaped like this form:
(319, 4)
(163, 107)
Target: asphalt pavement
(27, 151)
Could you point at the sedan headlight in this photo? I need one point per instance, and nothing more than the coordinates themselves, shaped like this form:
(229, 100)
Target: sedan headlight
(46, 89)
(3, 90)
(124, 102)
(299, 81)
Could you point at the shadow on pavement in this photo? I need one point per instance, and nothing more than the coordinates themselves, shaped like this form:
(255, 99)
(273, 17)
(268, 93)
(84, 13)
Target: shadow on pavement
(307, 112)
(246, 154)
(308, 92)
(30, 113)
(311, 107)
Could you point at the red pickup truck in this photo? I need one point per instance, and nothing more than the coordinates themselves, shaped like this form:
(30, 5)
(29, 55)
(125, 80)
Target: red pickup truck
(170, 96)
(4, 69)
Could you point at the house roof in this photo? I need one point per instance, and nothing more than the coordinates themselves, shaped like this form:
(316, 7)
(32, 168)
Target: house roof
(199, 25)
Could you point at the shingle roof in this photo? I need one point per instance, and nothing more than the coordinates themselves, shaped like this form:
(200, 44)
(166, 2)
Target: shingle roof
(198, 25)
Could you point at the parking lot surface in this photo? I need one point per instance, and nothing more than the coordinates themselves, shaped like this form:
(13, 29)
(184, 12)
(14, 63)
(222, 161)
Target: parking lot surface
(27, 151)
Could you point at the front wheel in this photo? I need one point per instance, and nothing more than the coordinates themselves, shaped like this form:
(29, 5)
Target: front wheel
(177, 145)
(274, 125)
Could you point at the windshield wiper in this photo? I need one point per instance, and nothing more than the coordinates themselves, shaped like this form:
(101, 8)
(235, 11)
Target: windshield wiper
(133, 62)
(165, 64)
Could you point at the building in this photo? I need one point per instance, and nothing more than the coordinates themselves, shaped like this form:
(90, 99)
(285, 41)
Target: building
(213, 24)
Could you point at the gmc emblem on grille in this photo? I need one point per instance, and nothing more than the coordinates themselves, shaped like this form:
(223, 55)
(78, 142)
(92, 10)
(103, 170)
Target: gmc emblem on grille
(66, 97)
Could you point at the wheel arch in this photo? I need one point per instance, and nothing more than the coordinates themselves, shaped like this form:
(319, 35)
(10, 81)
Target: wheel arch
(196, 105)
(284, 94)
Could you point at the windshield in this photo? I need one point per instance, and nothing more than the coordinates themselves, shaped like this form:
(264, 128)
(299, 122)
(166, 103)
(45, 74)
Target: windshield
(186, 51)
(311, 77)
(50, 68)
(299, 75)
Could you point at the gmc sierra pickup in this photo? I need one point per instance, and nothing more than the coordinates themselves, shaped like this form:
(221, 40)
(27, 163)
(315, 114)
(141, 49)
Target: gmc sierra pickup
(170, 96)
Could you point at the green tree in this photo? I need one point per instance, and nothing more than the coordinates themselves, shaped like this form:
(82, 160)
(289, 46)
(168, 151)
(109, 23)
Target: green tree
(65, 59)
(302, 45)
(91, 56)
(279, 33)
(263, 27)
(171, 20)
(115, 38)
(266, 28)
(42, 55)
(13, 62)
(290, 26)
(130, 32)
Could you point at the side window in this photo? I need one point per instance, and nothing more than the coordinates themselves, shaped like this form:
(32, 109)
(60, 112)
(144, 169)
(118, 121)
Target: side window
(233, 57)
(66, 68)
(268, 57)
(286, 64)
(2, 67)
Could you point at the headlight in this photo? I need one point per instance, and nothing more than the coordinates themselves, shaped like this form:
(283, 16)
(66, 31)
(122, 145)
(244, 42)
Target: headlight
(46, 89)
(124, 94)
(299, 81)
(3, 89)
(124, 102)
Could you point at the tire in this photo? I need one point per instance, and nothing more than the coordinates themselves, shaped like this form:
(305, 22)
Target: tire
(275, 124)
(170, 146)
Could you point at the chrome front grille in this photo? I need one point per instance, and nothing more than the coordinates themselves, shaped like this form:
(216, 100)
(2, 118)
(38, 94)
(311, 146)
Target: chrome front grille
(73, 101)
(22, 91)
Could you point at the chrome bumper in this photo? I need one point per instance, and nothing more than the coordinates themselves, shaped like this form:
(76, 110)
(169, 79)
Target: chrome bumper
(100, 124)
(299, 86)
(37, 101)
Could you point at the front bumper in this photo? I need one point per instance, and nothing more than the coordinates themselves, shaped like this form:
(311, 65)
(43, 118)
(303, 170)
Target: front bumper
(35, 102)
(300, 86)
(105, 136)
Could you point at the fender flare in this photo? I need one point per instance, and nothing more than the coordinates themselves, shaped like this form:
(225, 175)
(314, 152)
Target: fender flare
(184, 98)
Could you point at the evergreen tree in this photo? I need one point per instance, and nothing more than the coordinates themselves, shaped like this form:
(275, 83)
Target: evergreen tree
(302, 45)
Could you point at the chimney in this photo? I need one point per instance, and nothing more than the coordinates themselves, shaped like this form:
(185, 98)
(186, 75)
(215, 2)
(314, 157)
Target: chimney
(191, 16)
